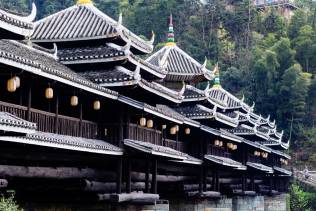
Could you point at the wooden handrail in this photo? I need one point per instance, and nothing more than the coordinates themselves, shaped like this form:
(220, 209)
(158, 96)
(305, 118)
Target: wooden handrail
(46, 121)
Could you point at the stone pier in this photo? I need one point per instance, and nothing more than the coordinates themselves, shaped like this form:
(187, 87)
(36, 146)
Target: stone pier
(237, 203)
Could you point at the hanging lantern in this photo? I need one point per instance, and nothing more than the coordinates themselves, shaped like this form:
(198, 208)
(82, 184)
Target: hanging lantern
(286, 162)
(257, 153)
(150, 123)
(11, 85)
(173, 130)
(17, 81)
(164, 127)
(49, 93)
(142, 121)
(235, 147)
(74, 100)
(96, 105)
(229, 145)
(177, 128)
(187, 131)
(221, 143)
(216, 142)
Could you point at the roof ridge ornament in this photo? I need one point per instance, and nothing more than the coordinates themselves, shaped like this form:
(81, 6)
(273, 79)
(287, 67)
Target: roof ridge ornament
(126, 48)
(84, 2)
(30, 18)
(55, 51)
(217, 83)
(120, 19)
(182, 89)
(203, 67)
(137, 75)
(152, 40)
(170, 40)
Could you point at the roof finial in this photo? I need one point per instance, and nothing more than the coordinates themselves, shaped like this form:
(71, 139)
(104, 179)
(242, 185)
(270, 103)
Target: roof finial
(170, 40)
(217, 83)
(84, 2)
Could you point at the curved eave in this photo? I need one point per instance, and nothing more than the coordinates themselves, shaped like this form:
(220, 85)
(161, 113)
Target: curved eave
(15, 29)
(148, 150)
(146, 48)
(260, 167)
(282, 171)
(157, 92)
(16, 129)
(222, 162)
(161, 75)
(226, 120)
(24, 140)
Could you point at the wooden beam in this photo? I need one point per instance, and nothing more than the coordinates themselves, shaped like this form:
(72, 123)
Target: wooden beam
(53, 172)
(134, 196)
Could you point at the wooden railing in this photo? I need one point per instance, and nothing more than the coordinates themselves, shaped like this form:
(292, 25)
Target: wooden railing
(136, 132)
(46, 121)
(139, 133)
(218, 151)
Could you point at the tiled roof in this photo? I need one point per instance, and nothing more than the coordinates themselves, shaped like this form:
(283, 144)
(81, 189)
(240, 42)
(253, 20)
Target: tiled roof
(196, 112)
(116, 76)
(225, 162)
(84, 22)
(193, 94)
(180, 66)
(155, 149)
(66, 142)
(9, 122)
(12, 52)
(260, 167)
(282, 170)
(89, 54)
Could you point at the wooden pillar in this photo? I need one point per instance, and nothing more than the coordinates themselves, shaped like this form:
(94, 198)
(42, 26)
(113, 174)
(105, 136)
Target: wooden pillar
(252, 182)
(80, 122)
(201, 179)
(177, 139)
(119, 176)
(243, 182)
(147, 177)
(128, 176)
(121, 128)
(271, 183)
(56, 114)
(154, 176)
(214, 180)
(217, 180)
(29, 104)
(204, 179)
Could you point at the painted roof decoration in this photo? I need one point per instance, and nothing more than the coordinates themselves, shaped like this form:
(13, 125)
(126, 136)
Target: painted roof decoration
(19, 25)
(12, 123)
(65, 142)
(84, 21)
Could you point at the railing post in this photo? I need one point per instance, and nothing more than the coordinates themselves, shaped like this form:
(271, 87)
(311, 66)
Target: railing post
(29, 104)
(80, 121)
(56, 114)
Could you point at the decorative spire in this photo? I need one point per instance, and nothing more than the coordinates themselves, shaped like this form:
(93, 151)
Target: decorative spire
(217, 83)
(170, 40)
(84, 2)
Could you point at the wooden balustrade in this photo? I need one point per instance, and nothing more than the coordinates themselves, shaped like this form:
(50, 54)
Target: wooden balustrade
(218, 151)
(139, 133)
(46, 121)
